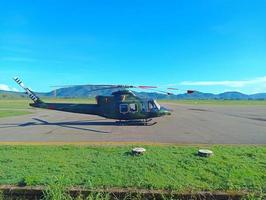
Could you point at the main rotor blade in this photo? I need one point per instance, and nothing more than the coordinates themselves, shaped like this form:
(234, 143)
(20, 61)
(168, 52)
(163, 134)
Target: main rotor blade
(145, 87)
(172, 89)
(102, 85)
(187, 91)
(65, 86)
(165, 92)
(106, 88)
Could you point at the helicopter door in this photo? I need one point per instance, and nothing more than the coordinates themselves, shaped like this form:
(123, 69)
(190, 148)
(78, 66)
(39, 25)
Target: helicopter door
(123, 108)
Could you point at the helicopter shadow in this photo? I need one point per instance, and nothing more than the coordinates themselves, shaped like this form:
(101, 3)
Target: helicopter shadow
(69, 124)
(74, 124)
(99, 122)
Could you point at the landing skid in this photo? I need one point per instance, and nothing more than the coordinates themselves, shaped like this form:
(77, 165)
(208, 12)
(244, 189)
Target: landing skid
(143, 122)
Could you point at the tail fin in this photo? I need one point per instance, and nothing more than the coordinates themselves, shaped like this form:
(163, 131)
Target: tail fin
(31, 94)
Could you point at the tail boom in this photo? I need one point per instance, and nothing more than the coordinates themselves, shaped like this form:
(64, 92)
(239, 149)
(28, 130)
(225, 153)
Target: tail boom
(92, 109)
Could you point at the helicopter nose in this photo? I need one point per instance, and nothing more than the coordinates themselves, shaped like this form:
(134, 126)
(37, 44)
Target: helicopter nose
(165, 111)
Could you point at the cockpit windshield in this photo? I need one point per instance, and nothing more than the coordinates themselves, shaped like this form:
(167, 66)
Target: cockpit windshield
(157, 105)
(153, 105)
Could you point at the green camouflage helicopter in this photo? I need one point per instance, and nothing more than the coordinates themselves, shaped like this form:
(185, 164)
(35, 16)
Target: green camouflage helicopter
(122, 105)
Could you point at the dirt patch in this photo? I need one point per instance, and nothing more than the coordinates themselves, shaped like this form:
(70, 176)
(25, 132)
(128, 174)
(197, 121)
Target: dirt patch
(15, 192)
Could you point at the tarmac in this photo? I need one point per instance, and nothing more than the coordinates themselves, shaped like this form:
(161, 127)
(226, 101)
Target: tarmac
(188, 124)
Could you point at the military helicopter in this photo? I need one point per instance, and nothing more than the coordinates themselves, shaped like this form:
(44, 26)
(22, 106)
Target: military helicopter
(122, 105)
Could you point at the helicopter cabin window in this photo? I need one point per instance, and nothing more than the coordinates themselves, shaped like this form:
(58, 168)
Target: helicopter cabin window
(133, 107)
(123, 108)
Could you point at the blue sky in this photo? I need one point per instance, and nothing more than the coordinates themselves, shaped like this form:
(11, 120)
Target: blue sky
(207, 45)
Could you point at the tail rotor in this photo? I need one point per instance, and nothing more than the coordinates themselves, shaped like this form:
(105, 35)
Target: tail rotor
(30, 93)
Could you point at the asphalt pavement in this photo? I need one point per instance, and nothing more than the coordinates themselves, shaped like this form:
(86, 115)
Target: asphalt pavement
(188, 124)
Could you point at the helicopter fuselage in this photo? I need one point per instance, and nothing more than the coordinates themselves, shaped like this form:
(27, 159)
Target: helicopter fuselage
(121, 105)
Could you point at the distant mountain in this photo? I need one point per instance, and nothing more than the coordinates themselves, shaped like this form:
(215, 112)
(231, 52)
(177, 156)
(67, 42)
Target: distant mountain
(233, 95)
(240, 96)
(196, 95)
(91, 91)
(259, 96)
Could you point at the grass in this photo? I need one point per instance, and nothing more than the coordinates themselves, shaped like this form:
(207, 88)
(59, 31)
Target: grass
(232, 168)
(14, 104)
(9, 113)
(11, 107)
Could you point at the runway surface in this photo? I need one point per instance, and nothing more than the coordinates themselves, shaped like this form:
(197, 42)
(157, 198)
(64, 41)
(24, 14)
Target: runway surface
(188, 124)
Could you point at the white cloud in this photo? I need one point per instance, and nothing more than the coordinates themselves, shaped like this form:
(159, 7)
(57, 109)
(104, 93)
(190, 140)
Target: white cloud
(7, 88)
(234, 84)
(4, 87)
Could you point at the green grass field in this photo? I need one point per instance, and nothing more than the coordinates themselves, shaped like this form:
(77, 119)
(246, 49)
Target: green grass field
(12, 107)
(232, 168)
(10, 113)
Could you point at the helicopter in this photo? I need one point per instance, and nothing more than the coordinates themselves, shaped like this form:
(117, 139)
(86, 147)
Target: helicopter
(122, 105)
